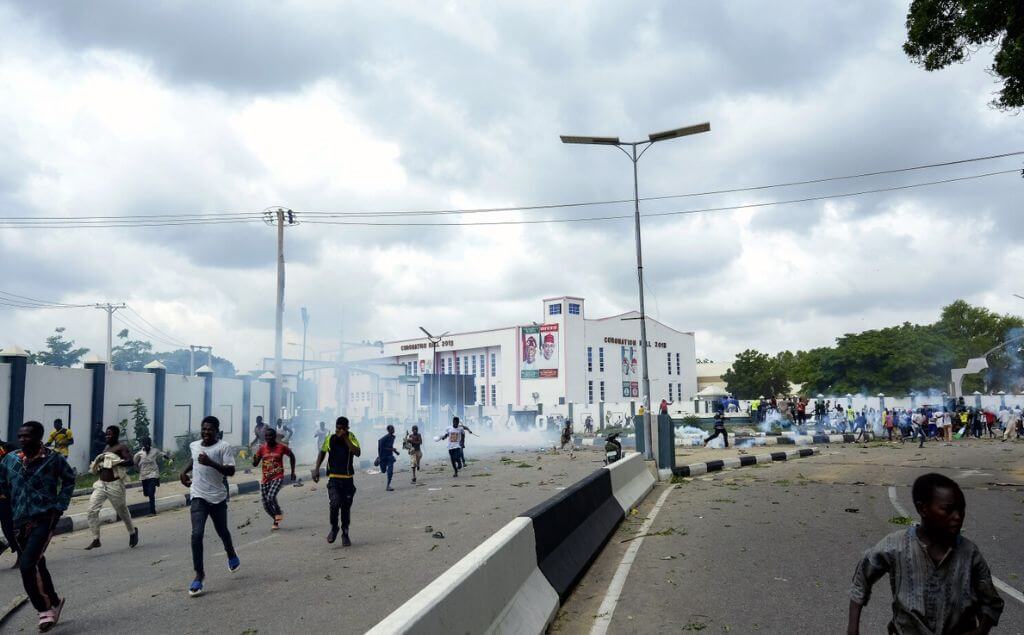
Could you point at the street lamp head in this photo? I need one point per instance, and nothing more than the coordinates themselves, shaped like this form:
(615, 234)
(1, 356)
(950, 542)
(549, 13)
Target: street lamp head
(679, 132)
(602, 141)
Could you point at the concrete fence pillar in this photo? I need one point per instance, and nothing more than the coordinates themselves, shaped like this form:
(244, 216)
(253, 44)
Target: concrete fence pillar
(159, 372)
(96, 440)
(246, 405)
(207, 374)
(18, 359)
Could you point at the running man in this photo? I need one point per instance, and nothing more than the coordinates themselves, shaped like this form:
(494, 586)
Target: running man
(147, 460)
(386, 454)
(111, 467)
(454, 436)
(286, 432)
(272, 454)
(340, 449)
(940, 581)
(258, 431)
(60, 438)
(320, 435)
(415, 442)
(39, 483)
(719, 430)
(213, 461)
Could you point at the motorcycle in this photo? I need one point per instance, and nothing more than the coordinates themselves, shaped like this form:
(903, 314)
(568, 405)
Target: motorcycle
(612, 448)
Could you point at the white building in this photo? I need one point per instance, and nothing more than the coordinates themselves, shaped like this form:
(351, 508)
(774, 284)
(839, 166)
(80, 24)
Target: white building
(566, 358)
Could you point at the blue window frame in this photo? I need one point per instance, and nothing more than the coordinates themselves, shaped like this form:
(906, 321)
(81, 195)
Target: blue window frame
(494, 395)
(600, 362)
(590, 359)
(574, 309)
(602, 391)
(555, 309)
(494, 365)
(590, 391)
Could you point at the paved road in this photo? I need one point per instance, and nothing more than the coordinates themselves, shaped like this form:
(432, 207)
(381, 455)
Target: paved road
(292, 581)
(772, 549)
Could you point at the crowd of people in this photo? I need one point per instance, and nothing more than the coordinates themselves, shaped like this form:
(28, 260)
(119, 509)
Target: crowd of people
(37, 483)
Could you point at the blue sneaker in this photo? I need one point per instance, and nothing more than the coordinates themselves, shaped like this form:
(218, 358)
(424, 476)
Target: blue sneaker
(196, 588)
(233, 564)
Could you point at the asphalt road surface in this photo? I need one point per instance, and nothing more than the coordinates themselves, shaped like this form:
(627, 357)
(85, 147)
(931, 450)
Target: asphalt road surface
(772, 549)
(292, 581)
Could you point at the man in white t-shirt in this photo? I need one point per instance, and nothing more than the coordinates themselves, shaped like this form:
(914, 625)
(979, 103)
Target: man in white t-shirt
(206, 477)
(454, 437)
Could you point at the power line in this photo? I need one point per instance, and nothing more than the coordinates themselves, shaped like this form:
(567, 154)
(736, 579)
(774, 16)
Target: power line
(138, 329)
(152, 326)
(26, 302)
(217, 218)
(673, 213)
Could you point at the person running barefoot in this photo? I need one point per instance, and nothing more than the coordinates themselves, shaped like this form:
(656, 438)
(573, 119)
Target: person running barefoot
(340, 449)
(272, 454)
(39, 483)
(111, 466)
(206, 477)
(415, 442)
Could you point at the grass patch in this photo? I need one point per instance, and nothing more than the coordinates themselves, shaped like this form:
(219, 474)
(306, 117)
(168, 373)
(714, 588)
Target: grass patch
(783, 482)
(900, 520)
(524, 464)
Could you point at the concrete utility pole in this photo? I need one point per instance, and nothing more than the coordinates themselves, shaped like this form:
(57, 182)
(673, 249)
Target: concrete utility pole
(632, 155)
(110, 308)
(281, 217)
(192, 348)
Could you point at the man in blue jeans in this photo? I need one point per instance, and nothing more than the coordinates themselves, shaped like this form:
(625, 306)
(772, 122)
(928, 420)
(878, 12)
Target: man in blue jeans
(386, 453)
(213, 461)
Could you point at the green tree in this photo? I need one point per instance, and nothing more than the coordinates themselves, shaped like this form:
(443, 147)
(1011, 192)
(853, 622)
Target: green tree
(177, 362)
(59, 351)
(754, 374)
(140, 417)
(943, 32)
(132, 355)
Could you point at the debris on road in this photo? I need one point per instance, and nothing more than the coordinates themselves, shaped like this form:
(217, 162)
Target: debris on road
(852, 510)
(428, 529)
(439, 535)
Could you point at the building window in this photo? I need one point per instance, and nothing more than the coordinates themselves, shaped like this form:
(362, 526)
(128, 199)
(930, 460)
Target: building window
(602, 390)
(481, 365)
(590, 391)
(474, 365)
(483, 395)
(669, 363)
(600, 362)
(670, 393)
(555, 309)
(494, 364)
(590, 359)
(449, 371)
(458, 366)
(574, 309)
(494, 395)
(679, 391)
(677, 364)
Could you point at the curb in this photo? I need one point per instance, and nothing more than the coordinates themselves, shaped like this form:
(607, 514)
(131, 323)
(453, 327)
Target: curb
(696, 469)
(516, 580)
(77, 522)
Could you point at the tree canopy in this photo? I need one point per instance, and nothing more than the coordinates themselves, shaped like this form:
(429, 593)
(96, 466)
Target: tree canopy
(896, 359)
(943, 32)
(59, 351)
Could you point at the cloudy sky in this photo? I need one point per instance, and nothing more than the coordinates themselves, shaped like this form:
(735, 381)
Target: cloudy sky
(126, 108)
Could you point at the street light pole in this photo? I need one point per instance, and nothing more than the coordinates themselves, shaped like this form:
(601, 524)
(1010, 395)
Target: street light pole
(634, 156)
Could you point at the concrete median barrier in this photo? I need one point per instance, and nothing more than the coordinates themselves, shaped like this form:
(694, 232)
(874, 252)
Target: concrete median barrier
(496, 588)
(515, 581)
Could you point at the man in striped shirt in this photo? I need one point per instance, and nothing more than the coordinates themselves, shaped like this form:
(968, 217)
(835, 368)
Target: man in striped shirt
(340, 449)
(940, 581)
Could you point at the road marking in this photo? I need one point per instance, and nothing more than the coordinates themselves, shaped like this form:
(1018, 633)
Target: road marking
(243, 546)
(611, 598)
(1002, 586)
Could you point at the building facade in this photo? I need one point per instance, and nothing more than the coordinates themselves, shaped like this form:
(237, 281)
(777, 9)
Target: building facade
(565, 363)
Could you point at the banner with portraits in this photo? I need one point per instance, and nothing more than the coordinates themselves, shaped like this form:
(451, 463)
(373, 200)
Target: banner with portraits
(630, 372)
(539, 346)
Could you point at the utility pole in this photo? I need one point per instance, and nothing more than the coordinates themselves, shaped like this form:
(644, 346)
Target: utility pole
(110, 308)
(192, 348)
(280, 216)
(305, 327)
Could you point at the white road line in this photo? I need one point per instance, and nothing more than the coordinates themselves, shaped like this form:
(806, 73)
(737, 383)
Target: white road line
(611, 598)
(1002, 586)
